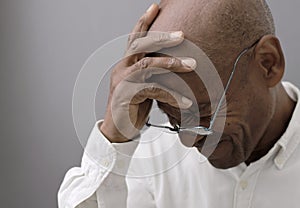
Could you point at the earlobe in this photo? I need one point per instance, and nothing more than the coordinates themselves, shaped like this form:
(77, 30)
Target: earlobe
(270, 59)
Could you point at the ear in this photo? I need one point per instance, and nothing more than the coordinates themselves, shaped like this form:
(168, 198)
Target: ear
(270, 59)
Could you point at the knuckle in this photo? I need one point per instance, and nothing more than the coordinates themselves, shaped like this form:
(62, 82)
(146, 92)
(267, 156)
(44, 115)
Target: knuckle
(134, 37)
(141, 21)
(146, 62)
(160, 37)
(143, 63)
(171, 62)
(152, 87)
(134, 45)
(130, 38)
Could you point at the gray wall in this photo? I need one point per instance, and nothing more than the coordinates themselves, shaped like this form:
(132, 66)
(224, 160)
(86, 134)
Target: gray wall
(43, 46)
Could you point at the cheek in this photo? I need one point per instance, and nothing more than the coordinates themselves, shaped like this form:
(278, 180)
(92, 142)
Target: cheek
(256, 112)
(245, 123)
(260, 118)
(226, 155)
(223, 154)
(233, 148)
(256, 104)
(248, 115)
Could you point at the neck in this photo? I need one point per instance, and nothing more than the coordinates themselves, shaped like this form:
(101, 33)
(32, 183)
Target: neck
(283, 112)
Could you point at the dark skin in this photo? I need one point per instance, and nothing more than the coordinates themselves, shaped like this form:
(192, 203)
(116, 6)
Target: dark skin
(130, 96)
(258, 107)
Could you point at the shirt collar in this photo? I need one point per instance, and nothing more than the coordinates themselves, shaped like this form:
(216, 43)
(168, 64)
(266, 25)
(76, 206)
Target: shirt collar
(291, 138)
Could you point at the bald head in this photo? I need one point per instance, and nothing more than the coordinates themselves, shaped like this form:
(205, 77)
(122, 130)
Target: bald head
(223, 29)
(225, 26)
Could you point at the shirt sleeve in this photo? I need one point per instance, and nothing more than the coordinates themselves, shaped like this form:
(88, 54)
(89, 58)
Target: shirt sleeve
(100, 182)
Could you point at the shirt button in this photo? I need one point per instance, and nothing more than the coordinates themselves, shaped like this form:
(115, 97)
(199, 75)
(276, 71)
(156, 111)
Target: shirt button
(279, 160)
(105, 163)
(244, 184)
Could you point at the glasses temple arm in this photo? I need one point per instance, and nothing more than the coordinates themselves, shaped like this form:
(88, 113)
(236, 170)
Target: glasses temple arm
(227, 86)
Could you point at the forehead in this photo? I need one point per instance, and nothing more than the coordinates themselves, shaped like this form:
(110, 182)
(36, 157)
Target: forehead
(193, 17)
(198, 19)
(200, 82)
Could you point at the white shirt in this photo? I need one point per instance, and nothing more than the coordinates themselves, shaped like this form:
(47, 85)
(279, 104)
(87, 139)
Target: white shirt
(162, 173)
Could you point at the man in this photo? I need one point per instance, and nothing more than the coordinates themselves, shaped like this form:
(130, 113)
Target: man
(256, 162)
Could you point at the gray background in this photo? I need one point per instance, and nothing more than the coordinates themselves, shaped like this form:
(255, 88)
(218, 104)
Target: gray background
(43, 46)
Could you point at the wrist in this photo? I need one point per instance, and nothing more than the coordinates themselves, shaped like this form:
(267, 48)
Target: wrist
(111, 133)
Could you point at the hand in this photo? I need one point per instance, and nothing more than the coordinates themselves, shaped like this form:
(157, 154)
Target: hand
(131, 97)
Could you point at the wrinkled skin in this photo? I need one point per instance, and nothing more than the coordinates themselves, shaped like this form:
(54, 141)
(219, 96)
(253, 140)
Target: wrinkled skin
(130, 96)
(258, 108)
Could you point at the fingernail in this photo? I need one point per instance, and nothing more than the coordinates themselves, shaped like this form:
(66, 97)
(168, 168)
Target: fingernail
(150, 8)
(187, 101)
(176, 35)
(189, 62)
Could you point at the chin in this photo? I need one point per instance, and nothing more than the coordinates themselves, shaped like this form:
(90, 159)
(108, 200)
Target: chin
(223, 164)
(224, 155)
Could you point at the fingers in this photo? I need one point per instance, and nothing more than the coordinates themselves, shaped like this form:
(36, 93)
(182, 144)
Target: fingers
(179, 64)
(162, 94)
(154, 42)
(144, 23)
(149, 66)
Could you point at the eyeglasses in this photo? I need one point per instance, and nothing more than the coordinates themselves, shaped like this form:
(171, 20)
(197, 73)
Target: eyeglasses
(201, 130)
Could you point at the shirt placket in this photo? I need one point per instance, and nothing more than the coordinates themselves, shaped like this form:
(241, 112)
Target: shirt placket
(245, 187)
